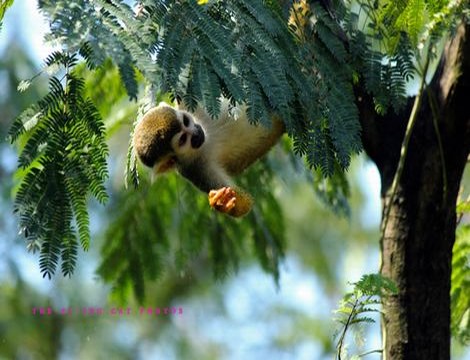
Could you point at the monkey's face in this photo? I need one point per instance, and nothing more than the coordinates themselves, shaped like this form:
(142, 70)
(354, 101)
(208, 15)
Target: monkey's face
(167, 137)
(189, 139)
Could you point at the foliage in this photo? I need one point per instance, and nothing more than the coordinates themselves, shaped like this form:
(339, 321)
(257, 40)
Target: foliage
(151, 234)
(118, 37)
(331, 133)
(390, 41)
(195, 53)
(365, 297)
(301, 66)
(4, 5)
(333, 191)
(62, 162)
(460, 296)
(239, 49)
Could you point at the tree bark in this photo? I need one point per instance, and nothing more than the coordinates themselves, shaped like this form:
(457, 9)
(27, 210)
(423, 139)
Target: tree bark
(420, 232)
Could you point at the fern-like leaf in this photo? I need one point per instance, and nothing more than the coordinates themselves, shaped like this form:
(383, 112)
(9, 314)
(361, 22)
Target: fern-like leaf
(64, 162)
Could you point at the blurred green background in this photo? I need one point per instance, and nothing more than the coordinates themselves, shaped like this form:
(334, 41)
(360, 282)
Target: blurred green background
(243, 315)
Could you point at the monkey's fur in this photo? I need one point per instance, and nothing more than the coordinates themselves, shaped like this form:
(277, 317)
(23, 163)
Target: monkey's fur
(205, 151)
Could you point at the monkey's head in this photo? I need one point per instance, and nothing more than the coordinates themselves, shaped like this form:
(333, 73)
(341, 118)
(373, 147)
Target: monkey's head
(167, 136)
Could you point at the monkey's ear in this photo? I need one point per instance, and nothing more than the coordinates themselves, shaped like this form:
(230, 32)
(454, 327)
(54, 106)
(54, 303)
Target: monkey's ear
(166, 164)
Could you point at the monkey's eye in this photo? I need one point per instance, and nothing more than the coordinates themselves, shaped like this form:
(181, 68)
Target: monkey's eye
(182, 139)
(186, 120)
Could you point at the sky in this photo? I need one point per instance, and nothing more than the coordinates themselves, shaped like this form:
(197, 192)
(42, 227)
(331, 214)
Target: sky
(23, 15)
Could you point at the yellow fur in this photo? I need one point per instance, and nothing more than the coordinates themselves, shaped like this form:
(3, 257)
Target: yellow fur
(233, 142)
(229, 145)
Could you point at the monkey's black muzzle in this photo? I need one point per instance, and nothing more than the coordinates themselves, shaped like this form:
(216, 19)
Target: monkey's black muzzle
(198, 137)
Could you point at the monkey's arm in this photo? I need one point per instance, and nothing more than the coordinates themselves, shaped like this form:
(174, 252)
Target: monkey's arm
(222, 195)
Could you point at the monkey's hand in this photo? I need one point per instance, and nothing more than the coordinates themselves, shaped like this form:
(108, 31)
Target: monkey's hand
(230, 201)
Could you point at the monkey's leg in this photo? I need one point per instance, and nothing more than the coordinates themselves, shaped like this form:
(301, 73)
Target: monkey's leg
(229, 201)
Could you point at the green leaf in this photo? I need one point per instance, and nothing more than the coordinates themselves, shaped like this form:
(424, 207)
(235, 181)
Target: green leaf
(62, 163)
(460, 284)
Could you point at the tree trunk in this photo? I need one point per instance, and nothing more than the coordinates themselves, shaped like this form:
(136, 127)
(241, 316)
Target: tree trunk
(420, 232)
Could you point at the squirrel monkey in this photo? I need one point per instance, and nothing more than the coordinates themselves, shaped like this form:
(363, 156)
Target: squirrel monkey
(205, 151)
